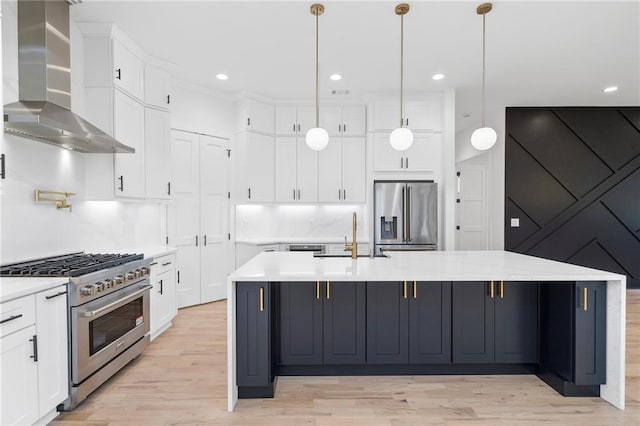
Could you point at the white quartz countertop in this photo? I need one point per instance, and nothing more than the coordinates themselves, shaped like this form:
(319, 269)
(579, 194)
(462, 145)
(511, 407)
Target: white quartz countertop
(422, 266)
(149, 252)
(15, 287)
(297, 240)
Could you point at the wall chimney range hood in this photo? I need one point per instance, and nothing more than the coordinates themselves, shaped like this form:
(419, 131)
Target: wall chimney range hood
(43, 112)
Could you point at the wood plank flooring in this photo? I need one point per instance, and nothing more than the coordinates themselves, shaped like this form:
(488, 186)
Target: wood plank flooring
(181, 380)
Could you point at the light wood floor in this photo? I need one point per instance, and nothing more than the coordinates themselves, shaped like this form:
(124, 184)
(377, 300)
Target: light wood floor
(181, 379)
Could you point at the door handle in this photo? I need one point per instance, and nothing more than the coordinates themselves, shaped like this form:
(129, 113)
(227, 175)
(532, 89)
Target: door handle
(249, 193)
(205, 240)
(11, 318)
(298, 195)
(339, 195)
(55, 295)
(168, 99)
(406, 162)
(402, 162)
(121, 179)
(119, 74)
(294, 194)
(585, 295)
(34, 339)
(317, 290)
(491, 290)
(261, 299)
(501, 289)
(344, 193)
(408, 219)
(328, 290)
(2, 166)
(168, 188)
(404, 216)
(404, 290)
(161, 288)
(178, 277)
(196, 241)
(415, 289)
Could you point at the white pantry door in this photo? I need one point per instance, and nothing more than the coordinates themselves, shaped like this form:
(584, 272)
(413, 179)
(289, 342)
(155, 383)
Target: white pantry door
(472, 220)
(184, 215)
(214, 219)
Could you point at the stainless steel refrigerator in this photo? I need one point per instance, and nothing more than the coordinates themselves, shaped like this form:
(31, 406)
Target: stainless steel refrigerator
(405, 215)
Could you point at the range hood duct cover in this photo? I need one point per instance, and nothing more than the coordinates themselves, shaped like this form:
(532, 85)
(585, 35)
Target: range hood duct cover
(43, 112)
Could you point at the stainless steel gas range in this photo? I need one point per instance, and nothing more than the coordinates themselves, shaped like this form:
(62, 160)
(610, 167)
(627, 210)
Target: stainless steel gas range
(108, 313)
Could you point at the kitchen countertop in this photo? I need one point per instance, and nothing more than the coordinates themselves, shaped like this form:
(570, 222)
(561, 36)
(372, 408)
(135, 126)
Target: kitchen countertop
(423, 266)
(310, 240)
(15, 287)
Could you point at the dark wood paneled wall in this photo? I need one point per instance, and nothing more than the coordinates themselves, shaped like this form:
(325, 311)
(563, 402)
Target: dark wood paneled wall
(572, 178)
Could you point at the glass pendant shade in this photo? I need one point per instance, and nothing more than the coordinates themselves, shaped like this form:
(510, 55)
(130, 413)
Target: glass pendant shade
(317, 138)
(483, 138)
(401, 138)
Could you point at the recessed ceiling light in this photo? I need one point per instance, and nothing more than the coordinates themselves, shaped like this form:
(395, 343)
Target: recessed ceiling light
(222, 76)
(335, 77)
(610, 89)
(438, 76)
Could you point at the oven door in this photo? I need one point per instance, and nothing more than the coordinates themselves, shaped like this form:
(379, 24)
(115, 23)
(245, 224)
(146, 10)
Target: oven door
(106, 327)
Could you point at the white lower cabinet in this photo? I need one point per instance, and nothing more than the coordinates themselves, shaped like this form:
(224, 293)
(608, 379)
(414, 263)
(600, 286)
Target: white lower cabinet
(342, 171)
(34, 357)
(163, 295)
(198, 217)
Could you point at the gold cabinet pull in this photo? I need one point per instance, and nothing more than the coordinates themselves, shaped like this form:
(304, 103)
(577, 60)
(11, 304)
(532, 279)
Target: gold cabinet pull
(584, 298)
(404, 292)
(415, 289)
(261, 299)
(317, 289)
(491, 290)
(328, 290)
(501, 289)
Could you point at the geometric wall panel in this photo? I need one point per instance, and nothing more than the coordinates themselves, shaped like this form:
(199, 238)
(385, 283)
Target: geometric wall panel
(572, 177)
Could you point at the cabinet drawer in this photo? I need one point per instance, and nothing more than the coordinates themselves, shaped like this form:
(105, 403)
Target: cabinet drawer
(163, 263)
(17, 314)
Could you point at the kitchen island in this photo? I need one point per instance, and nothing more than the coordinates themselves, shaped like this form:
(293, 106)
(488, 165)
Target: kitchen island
(495, 312)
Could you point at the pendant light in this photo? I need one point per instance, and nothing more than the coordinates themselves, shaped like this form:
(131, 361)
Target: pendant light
(484, 137)
(402, 137)
(317, 138)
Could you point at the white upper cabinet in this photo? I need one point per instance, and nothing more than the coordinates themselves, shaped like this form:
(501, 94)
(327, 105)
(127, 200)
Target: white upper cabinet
(157, 150)
(424, 155)
(342, 171)
(344, 121)
(255, 170)
(256, 116)
(418, 115)
(128, 70)
(128, 125)
(291, 120)
(157, 87)
(296, 171)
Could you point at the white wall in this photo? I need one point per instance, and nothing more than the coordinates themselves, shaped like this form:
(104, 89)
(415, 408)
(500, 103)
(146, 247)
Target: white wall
(29, 230)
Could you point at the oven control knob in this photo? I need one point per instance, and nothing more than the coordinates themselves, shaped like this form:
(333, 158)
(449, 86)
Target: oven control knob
(130, 275)
(100, 286)
(138, 273)
(119, 279)
(144, 271)
(108, 283)
(88, 290)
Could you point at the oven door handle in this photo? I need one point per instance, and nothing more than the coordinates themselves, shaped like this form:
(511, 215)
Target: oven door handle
(111, 305)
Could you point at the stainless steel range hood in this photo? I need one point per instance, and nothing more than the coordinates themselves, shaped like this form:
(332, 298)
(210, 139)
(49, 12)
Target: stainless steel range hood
(43, 112)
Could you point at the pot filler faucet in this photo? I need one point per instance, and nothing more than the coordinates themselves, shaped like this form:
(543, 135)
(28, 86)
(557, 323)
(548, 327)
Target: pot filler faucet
(353, 247)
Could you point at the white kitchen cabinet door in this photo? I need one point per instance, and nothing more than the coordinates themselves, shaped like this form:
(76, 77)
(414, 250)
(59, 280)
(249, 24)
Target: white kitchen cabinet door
(260, 117)
(354, 122)
(385, 158)
(157, 87)
(307, 173)
(286, 121)
(128, 123)
(128, 72)
(157, 149)
(331, 120)
(306, 117)
(330, 172)
(19, 396)
(424, 115)
(424, 154)
(214, 218)
(285, 169)
(257, 168)
(354, 169)
(163, 301)
(53, 373)
(184, 215)
(386, 115)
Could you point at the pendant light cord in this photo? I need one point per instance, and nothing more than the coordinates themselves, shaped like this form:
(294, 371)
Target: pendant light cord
(483, 66)
(317, 107)
(401, 67)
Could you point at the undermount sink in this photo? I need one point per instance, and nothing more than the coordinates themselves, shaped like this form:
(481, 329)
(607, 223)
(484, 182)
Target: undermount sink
(325, 255)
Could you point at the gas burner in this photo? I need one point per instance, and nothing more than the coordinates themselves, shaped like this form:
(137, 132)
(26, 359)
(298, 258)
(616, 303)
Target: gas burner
(68, 265)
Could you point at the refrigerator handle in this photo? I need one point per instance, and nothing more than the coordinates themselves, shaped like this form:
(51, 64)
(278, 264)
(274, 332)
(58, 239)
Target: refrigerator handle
(404, 215)
(408, 216)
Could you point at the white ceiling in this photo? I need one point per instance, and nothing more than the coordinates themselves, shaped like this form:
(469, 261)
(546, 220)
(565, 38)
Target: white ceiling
(538, 53)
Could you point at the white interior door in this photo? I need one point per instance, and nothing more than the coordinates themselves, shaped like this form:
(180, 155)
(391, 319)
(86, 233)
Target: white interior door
(214, 219)
(471, 210)
(184, 215)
